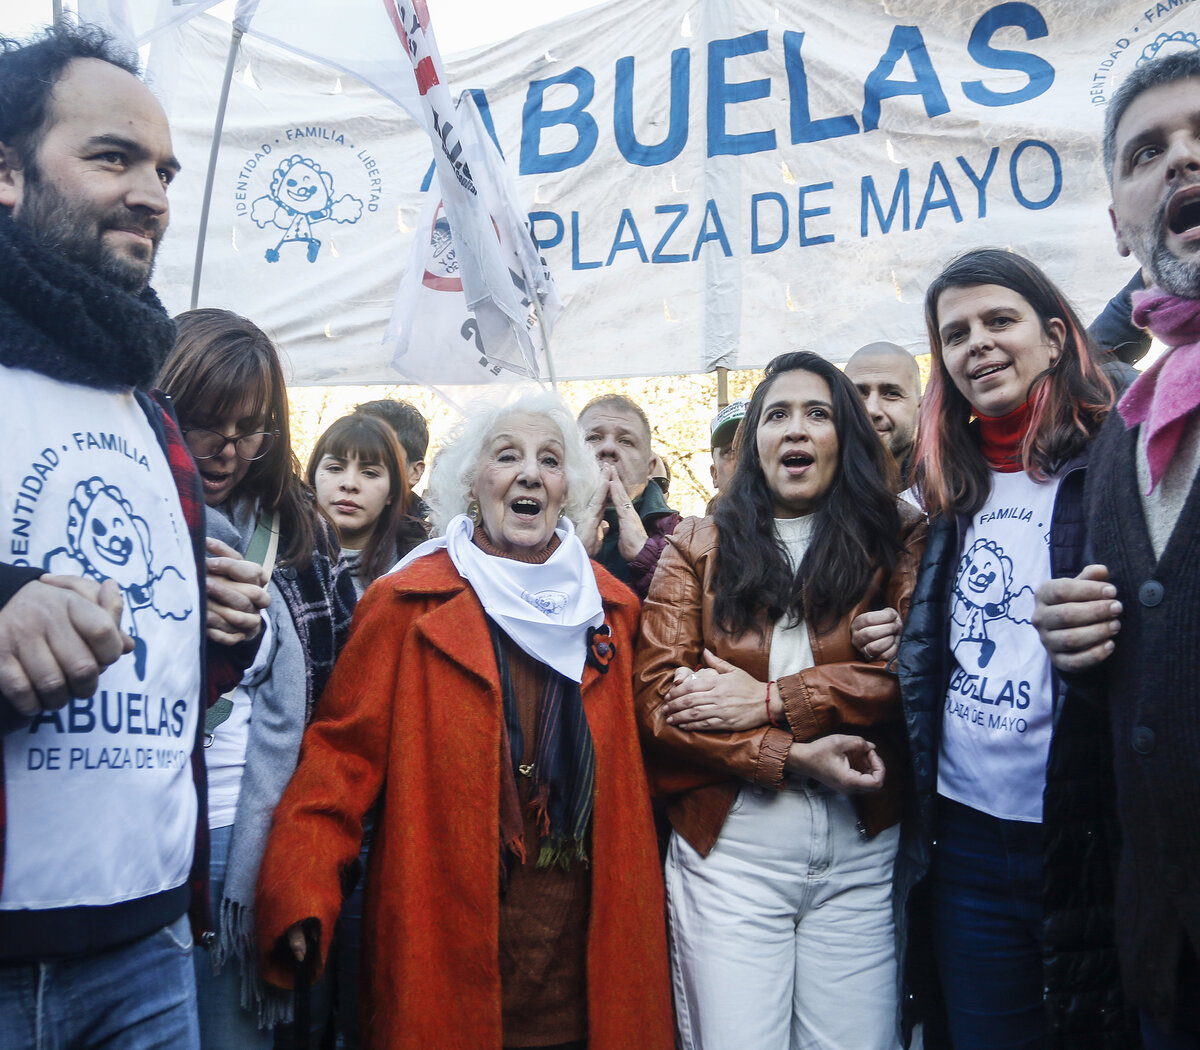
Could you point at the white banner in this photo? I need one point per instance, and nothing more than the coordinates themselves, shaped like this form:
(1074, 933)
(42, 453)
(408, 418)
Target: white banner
(713, 182)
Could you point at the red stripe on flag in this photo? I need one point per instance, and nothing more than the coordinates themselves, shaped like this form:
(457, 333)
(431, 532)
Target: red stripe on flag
(425, 70)
(390, 7)
(426, 74)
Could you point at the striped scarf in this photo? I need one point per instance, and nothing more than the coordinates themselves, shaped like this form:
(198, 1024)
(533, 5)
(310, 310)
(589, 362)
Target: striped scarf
(563, 770)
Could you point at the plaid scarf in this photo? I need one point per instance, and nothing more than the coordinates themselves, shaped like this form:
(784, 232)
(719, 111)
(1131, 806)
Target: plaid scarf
(563, 773)
(321, 600)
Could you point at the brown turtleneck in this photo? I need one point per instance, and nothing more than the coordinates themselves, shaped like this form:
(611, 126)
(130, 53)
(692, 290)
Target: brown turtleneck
(544, 913)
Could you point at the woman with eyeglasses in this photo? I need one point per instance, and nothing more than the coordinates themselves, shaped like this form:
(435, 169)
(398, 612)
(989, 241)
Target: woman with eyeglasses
(228, 388)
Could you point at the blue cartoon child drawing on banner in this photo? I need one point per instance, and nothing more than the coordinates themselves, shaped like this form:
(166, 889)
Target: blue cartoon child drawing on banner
(301, 195)
(107, 540)
(983, 594)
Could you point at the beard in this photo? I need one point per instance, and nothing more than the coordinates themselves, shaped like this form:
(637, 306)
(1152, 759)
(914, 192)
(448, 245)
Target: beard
(1175, 275)
(76, 229)
(1172, 274)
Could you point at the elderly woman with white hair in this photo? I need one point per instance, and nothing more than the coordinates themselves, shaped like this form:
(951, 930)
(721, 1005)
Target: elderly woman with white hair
(513, 893)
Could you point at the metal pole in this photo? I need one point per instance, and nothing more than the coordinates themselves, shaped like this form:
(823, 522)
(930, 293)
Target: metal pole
(56, 9)
(219, 125)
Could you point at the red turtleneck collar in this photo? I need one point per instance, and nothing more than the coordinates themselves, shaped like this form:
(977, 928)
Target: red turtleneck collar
(1000, 438)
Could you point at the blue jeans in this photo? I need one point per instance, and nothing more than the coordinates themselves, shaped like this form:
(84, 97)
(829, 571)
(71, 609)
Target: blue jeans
(223, 1022)
(986, 896)
(138, 996)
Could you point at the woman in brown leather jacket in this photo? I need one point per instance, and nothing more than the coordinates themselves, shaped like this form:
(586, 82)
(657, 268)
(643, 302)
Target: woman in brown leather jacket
(761, 720)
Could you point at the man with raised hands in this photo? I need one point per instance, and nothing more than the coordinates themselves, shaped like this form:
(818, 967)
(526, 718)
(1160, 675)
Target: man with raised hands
(628, 519)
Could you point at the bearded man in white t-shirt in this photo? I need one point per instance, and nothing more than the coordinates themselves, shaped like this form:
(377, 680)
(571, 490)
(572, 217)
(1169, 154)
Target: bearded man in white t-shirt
(104, 616)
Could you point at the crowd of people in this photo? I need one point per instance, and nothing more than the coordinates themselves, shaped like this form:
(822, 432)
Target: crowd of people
(892, 747)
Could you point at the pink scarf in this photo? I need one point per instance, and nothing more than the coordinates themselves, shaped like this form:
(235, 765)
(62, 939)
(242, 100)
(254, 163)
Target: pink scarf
(1167, 395)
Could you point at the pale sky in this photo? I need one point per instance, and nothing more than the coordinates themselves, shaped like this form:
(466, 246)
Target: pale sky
(458, 24)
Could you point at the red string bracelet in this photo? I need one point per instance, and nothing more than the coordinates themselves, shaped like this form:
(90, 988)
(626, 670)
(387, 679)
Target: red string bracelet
(771, 717)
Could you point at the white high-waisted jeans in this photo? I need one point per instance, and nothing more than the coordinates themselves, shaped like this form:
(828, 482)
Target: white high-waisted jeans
(782, 938)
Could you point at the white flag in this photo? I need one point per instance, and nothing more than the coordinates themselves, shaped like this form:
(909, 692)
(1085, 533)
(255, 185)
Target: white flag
(358, 38)
(527, 268)
(435, 336)
(494, 288)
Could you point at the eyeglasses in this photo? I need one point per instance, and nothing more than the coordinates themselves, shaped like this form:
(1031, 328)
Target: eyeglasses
(208, 444)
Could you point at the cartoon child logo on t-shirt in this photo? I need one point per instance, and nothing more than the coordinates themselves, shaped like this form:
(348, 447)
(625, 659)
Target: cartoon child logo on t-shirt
(108, 541)
(983, 594)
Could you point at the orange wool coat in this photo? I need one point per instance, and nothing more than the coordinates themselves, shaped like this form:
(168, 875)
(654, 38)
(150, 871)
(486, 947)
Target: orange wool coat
(412, 715)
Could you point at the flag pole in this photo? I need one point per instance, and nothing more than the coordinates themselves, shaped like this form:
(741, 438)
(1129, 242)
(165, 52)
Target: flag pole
(218, 126)
(537, 309)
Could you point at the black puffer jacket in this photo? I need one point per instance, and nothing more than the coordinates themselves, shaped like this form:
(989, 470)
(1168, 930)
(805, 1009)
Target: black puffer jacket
(1084, 1005)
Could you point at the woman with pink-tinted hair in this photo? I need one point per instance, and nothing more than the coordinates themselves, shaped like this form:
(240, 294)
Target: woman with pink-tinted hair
(1003, 882)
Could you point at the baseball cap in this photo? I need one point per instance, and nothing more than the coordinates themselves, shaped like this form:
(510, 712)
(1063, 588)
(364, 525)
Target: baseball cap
(725, 423)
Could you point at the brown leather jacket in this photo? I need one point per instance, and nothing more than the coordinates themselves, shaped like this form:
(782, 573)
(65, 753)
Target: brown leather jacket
(701, 772)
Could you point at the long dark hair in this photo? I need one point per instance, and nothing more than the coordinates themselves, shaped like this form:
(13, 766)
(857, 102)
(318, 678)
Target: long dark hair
(218, 360)
(856, 531)
(1068, 401)
(370, 440)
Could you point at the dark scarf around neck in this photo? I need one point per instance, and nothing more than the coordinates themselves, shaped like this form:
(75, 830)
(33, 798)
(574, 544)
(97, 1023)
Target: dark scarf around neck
(61, 320)
(563, 771)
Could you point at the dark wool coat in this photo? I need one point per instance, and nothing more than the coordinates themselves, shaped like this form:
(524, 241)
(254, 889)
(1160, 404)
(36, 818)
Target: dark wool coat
(1151, 685)
(412, 717)
(1085, 1008)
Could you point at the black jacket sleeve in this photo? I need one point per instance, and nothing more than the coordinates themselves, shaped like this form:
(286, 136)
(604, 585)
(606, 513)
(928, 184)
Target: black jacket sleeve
(1113, 331)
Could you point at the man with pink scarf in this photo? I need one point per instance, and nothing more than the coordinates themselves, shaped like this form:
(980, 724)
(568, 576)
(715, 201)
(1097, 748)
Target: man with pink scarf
(1128, 626)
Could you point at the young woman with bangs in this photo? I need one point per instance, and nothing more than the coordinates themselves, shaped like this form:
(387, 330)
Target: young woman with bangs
(225, 379)
(1002, 882)
(358, 471)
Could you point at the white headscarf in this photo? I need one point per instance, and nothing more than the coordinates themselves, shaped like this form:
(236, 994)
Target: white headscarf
(546, 609)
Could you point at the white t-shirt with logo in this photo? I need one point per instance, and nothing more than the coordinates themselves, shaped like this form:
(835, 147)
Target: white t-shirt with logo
(100, 801)
(999, 706)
